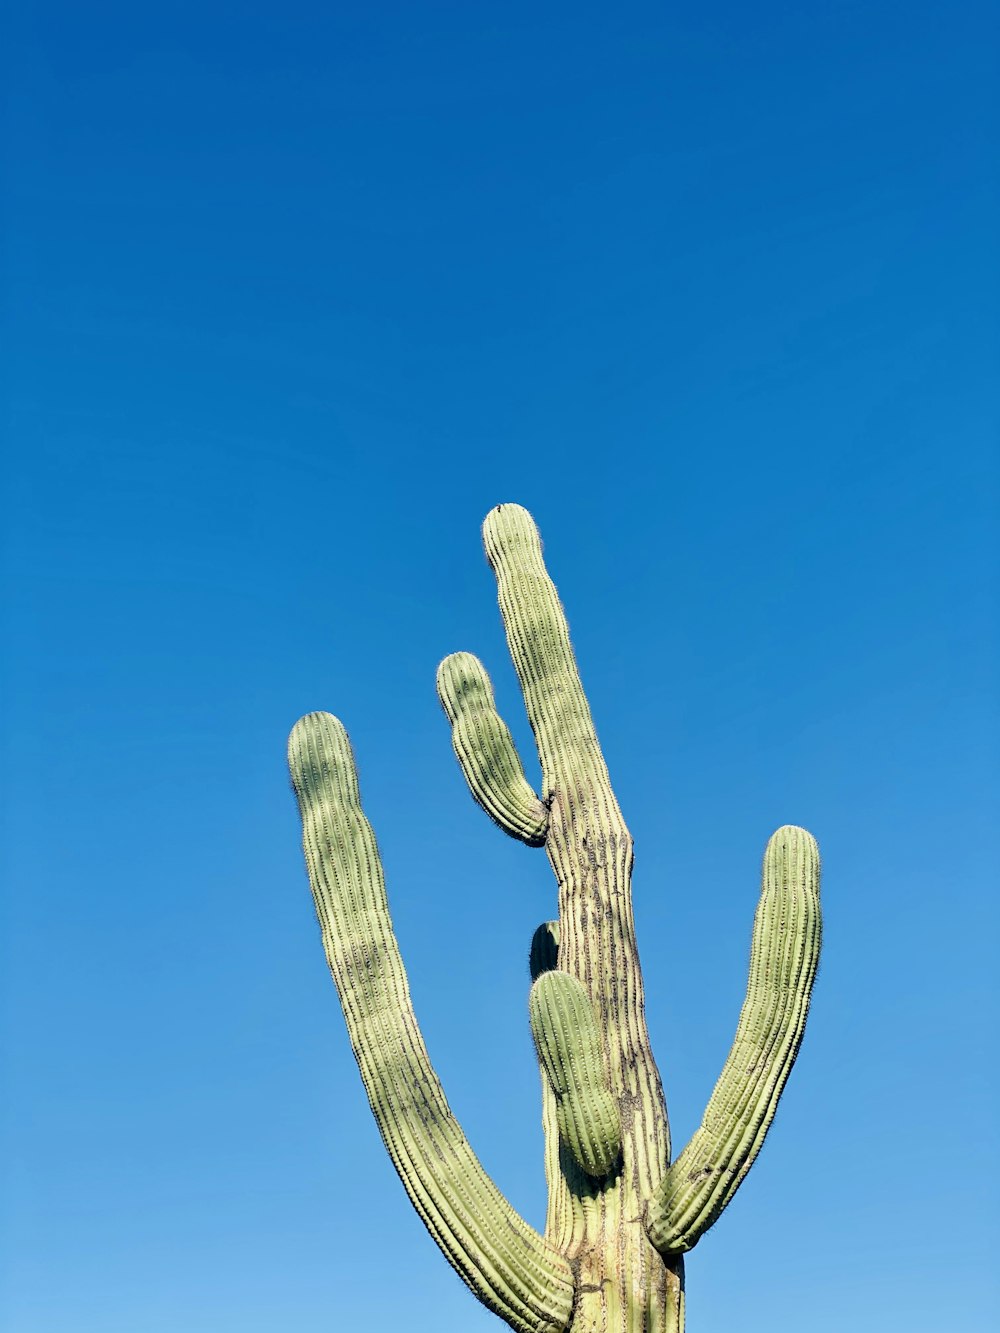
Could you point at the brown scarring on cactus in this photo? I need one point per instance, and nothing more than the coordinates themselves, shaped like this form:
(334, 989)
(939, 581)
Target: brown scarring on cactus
(620, 1215)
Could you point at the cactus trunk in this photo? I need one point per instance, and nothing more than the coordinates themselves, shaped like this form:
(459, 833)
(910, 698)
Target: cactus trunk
(623, 1285)
(620, 1213)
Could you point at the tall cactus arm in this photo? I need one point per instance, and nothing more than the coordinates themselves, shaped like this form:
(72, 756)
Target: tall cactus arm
(508, 1265)
(486, 752)
(539, 644)
(783, 959)
(570, 1053)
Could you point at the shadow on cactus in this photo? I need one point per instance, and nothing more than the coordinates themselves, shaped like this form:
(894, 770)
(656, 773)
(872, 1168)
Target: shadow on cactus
(621, 1214)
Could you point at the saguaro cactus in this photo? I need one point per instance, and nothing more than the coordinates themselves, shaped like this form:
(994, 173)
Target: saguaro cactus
(621, 1214)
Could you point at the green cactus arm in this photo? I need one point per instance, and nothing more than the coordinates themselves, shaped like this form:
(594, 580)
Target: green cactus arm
(539, 642)
(505, 1262)
(486, 752)
(783, 960)
(570, 1052)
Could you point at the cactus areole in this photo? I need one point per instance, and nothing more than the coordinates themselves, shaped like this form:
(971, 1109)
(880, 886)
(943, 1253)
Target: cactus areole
(621, 1212)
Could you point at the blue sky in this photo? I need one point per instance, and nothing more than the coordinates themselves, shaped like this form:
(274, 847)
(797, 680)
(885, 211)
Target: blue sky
(293, 295)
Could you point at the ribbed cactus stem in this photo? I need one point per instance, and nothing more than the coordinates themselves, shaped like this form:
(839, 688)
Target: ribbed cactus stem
(784, 954)
(571, 1056)
(619, 1216)
(590, 849)
(538, 637)
(485, 750)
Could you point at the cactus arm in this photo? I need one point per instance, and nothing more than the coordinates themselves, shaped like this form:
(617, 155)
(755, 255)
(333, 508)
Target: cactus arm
(507, 1264)
(783, 960)
(539, 642)
(570, 1053)
(485, 750)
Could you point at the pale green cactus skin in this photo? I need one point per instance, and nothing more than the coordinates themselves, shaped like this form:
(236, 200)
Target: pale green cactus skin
(571, 1054)
(620, 1214)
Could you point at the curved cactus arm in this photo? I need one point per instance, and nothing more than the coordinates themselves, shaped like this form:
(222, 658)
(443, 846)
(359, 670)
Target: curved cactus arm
(539, 642)
(505, 1262)
(570, 1052)
(486, 751)
(783, 959)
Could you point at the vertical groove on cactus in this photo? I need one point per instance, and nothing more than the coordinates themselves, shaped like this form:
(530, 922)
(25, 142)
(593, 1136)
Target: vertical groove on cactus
(783, 959)
(619, 1217)
(570, 1053)
(486, 752)
(509, 1266)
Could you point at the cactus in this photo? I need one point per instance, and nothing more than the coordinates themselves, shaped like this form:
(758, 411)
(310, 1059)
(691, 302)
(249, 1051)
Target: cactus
(621, 1214)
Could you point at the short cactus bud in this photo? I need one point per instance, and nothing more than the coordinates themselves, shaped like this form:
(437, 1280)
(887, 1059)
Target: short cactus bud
(544, 953)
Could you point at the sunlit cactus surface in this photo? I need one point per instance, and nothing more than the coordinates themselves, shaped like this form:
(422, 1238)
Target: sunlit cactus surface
(622, 1212)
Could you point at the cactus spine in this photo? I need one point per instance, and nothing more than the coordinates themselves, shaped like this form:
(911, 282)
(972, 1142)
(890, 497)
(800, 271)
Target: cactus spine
(620, 1214)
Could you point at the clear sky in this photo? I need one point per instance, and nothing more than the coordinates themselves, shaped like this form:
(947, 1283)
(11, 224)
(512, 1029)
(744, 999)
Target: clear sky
(293, 294)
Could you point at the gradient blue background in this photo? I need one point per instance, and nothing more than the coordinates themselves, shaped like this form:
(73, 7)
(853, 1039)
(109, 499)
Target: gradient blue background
(293, 294)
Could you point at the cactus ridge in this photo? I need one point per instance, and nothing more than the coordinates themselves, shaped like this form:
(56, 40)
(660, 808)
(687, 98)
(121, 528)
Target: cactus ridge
(486, 752)
(620, 1216)
(783, 959)
(571, 1056)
